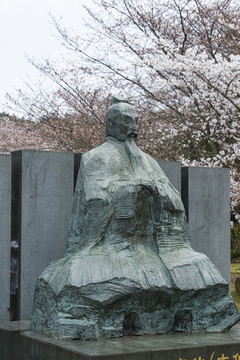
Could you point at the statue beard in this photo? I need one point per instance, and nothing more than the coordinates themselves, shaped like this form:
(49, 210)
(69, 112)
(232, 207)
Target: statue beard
(134, 155)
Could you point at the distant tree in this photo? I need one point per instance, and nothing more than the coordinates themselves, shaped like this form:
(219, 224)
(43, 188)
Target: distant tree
(19, 134)
(75, 121)
(177, 60)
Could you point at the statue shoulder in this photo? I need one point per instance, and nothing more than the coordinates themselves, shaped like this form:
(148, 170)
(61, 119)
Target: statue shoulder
(101, 152)
(99, 158)
(150, 159)
(153, 166)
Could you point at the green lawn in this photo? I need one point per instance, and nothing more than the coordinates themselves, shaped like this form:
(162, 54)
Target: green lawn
(235, 271)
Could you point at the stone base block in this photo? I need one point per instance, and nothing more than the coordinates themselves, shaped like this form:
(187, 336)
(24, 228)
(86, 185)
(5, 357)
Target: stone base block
(17, 341)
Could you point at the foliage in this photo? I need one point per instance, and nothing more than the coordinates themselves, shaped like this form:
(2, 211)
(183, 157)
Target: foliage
(235, 242)
(235, 271)
(178, 61)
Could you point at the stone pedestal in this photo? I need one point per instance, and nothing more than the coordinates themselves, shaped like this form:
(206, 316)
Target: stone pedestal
(5, 223)
(17, 341)
(43, 183)
(206, 197)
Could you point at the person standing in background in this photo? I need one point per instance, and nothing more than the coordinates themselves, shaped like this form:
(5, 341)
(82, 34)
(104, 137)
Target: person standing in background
(14, 266)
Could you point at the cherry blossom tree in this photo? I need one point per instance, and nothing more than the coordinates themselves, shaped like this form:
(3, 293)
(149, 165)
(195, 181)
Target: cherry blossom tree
(178, 61)
(18, 134)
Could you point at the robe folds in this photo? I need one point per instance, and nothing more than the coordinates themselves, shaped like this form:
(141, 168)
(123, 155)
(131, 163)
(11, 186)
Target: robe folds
(129, 268)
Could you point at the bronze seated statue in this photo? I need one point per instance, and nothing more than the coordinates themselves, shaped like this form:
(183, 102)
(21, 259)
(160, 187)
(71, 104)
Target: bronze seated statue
(129, 267)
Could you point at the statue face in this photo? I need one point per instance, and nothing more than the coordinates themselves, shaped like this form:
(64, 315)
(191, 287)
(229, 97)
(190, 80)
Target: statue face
(128, 126)
(123, 123)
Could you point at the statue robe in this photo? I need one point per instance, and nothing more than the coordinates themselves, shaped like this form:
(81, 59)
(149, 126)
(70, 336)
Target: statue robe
(129, 266)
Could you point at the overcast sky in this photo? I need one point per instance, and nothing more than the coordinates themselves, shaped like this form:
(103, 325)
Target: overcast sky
(26, 29)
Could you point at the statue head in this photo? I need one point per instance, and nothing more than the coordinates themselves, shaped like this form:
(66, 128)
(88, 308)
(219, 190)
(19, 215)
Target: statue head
(121, 120)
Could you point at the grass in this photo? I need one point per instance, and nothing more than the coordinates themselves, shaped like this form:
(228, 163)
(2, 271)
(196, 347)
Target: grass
(235, 271)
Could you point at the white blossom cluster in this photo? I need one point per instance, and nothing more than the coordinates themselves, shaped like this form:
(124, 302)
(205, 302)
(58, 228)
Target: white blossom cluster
(178, 61)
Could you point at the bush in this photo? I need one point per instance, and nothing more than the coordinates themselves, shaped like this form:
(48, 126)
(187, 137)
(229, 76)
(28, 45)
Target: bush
(235, 241)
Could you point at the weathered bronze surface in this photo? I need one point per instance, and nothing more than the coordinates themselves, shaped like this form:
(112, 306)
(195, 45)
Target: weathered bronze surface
(129, 267)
